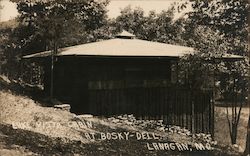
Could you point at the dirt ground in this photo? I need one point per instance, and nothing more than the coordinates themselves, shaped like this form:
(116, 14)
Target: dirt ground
(12, 150)
(222, 128)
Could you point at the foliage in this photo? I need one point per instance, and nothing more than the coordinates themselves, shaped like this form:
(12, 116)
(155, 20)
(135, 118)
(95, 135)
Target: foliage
(63, 21)
(228, 17)
(48, 25)
(196, 70)
(206, 28)
(155, 27)
(202, 29)
(227, 33)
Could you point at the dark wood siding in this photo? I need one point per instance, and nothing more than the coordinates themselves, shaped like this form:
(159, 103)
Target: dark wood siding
(74, 77)
(139, 86)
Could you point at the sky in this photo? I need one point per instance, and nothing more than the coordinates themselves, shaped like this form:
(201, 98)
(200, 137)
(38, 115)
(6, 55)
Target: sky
(9, 11)
(115, 6)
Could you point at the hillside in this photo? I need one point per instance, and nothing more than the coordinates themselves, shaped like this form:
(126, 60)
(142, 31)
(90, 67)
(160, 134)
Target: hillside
(28, 128)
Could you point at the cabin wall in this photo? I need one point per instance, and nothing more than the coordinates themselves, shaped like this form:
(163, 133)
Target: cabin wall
(139, 86)
(74, 78)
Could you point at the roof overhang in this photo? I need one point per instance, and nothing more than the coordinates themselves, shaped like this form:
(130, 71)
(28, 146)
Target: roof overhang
(126, 48)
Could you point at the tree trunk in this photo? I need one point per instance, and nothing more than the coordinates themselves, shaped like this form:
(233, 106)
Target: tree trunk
(234, 133)
(247, 149)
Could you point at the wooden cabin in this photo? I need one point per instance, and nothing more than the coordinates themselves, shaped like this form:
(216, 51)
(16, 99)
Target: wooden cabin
(125, 75)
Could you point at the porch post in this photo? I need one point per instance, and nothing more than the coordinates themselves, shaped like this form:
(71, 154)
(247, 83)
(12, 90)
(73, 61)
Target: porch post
(212, 106)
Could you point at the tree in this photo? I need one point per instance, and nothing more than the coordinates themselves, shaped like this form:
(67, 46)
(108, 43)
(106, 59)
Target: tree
(61, 20)
(49, 25)
(53, 21)
(196, 70)
(247, 148)
(229, 19)
(131, 20)
(158, 27)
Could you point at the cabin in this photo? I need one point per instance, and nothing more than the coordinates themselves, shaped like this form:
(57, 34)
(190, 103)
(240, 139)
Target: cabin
(125, 75)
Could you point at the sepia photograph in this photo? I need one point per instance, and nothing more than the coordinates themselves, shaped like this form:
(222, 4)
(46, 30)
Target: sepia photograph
(124, 78)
